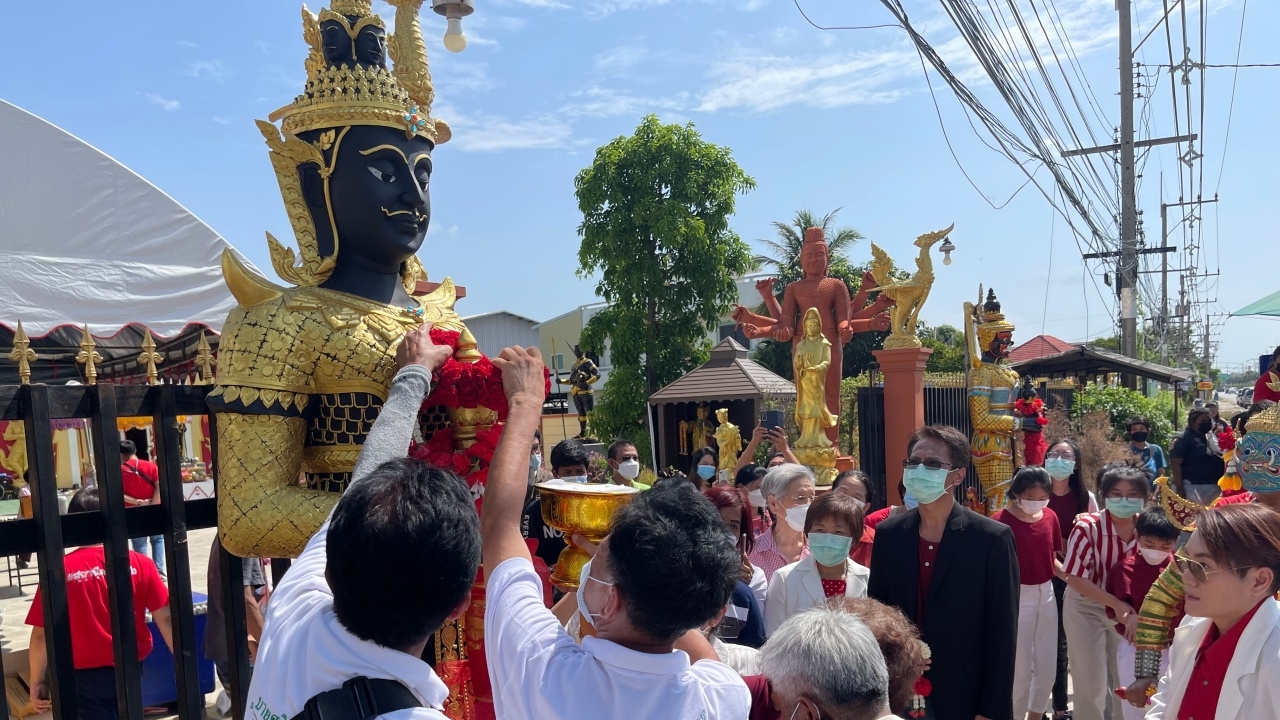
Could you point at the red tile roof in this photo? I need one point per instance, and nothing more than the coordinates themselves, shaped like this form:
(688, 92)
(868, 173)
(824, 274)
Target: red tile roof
(1038, 347)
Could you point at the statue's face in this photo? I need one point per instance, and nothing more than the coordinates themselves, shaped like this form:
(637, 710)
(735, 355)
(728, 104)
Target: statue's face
(369, 49)
(379, 193)
(722, 415)
(703, 411)
(814, 260)
(1001, 345)
(1259, 456)
(812, 325)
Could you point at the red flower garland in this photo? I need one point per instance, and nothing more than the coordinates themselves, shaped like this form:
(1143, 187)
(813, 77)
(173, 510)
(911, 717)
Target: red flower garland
(465, 385)
(1034, 408)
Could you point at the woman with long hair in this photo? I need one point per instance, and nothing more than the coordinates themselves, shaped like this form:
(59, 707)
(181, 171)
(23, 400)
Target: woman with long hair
(1068, 498)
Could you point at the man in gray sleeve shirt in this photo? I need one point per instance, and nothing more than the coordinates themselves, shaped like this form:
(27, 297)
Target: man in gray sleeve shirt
(395, 560)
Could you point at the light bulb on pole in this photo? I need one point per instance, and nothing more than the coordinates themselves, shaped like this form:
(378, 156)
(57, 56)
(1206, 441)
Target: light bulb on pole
(947, 248)
(454, 11)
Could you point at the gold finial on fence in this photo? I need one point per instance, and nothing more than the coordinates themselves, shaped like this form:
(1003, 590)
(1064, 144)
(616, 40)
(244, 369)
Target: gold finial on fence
(150, 358)
(204, 360)
(89, 357)
(22, 354)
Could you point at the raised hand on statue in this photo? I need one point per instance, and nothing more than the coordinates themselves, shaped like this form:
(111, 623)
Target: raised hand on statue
(416, 348)
(523, 374)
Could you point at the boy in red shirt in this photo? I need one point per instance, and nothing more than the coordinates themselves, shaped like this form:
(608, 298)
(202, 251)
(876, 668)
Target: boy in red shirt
(1131, 579)
(141, 480)
(90, 620)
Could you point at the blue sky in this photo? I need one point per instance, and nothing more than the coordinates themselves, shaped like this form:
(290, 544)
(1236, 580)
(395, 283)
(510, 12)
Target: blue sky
(821, 119)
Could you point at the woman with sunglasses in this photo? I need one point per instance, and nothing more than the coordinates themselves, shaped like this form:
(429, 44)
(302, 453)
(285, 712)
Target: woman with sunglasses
(1225, 659)
(1097, 542)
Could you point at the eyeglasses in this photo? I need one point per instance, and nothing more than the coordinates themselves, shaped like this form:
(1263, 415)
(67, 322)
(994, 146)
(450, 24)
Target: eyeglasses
(1196, 568)
(910, 464)
(1060, 456)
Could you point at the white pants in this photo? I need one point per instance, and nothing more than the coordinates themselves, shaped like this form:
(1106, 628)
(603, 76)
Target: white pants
(1124, 663)
(1037, 658)
(1091, 653)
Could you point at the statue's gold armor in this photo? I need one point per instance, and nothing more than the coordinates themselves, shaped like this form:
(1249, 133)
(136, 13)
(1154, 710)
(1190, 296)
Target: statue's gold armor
(993, 390)
(304, 370)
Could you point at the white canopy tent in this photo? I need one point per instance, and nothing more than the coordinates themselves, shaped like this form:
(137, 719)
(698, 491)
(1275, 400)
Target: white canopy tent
(85, 240)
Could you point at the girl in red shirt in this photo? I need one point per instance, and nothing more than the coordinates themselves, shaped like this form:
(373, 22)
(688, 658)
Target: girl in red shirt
(1038, 539)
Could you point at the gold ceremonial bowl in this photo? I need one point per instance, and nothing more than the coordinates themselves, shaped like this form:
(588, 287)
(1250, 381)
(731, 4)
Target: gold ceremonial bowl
(578, 509)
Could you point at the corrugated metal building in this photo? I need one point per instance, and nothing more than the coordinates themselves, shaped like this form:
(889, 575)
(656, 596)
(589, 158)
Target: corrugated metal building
(501, 329)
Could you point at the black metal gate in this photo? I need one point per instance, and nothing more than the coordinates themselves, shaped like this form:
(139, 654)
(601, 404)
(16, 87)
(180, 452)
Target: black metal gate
(48, 534)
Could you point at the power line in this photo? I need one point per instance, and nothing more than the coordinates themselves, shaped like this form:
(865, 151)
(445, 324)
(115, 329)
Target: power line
(839, 27)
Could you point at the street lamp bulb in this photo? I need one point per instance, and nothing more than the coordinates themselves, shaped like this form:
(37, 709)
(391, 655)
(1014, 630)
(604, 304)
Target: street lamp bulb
(454, 40)
(947, 247)
(946, 258)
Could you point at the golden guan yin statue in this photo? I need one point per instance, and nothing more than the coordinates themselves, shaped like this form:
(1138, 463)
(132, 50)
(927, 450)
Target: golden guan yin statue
(809, 364)
(303, 369)
(993, 390)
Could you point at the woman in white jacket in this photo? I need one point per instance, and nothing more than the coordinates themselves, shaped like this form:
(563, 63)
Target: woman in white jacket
(1225, 659)
(833, 523)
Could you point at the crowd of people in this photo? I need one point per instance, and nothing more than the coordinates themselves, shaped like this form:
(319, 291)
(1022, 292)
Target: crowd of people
(759, 597)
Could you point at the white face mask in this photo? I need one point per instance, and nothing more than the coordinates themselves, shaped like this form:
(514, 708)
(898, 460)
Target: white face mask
(1154, 556)
(756, 498)
(574, 478)
(629, 469)
(796, 516)
(582, 592)
(861, 503)
(1031, 507)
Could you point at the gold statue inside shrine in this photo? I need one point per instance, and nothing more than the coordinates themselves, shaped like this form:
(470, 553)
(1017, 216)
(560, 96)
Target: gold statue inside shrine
(909, 295)
(810, 362)
(697, 433)
(304, 369)
(728, 443)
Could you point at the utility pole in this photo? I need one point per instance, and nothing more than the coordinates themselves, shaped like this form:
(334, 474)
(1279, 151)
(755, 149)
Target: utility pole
(1164, 268)
(1127, 273)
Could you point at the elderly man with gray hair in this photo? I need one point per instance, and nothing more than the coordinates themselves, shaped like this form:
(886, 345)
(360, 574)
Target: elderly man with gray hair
(824, 664)
(788, 491)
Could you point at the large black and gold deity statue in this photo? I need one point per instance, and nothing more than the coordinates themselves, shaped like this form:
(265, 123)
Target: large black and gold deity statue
(304, 369)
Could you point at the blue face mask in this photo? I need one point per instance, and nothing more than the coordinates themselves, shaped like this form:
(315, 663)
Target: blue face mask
(829, 550)
(925, 484)
(1125, 508)
(1059, 468)
(706, 472)
(910, 501)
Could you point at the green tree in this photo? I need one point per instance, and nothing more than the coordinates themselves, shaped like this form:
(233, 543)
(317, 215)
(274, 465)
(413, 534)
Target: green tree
(655, 232)
(784, 253)
(947, 343)
(1120, 404)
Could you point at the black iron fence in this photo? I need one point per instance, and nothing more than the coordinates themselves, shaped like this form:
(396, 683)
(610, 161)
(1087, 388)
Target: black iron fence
(49, 534)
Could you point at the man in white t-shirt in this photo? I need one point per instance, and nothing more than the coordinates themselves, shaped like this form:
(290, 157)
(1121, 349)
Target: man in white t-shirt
(666, 569)
(395, 560)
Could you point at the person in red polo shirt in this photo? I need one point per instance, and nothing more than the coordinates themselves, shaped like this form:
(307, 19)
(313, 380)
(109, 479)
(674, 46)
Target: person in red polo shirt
(1225, 658)
(141, 479)
(90, 622)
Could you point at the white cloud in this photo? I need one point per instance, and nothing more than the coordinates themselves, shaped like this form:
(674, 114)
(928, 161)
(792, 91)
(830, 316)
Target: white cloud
(208, 70)
(463, 77)
(620, 59)
(544, 4)
(165, 103)
(496, 134)
(185, 44)
(601, 8)
(220, 120)
(606, 102)
(762, 82)
(753, 5)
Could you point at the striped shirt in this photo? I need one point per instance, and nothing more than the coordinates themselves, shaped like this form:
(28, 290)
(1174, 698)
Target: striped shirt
(1094, 547)
(766, 556)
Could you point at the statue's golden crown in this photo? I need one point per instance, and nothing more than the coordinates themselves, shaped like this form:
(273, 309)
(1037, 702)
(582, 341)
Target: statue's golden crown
(989, 319)
(1266, 421)
(364, 93)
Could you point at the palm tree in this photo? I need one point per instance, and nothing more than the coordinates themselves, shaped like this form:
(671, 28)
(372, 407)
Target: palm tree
(785, 251)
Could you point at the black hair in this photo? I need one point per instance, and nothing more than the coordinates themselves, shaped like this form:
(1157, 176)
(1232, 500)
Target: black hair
(615, 446)
(1153, 523)
(957, 443)
(703, 452)
(1136, 420)
(749, 474)
(85, 500)
(671, 560)
(847, 475)
(1076, 480)
(128, 448)
(537, 434)
(568, 452)
(402, 553)
(1195, 413)
(1114, 473)
(772, 457)
(1027, 478)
